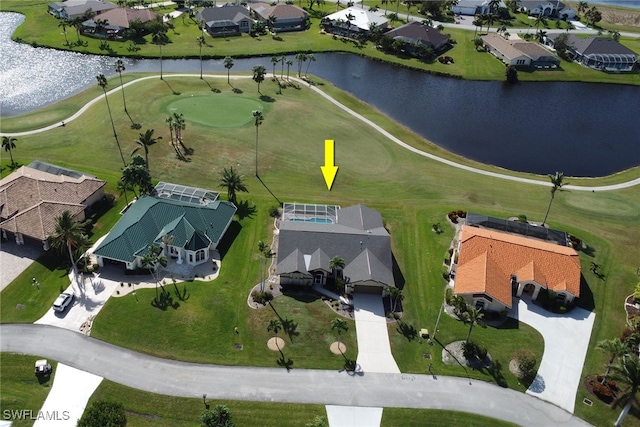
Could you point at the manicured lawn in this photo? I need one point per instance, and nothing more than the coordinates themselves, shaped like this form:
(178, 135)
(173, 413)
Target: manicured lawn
(411, 192)
(21, 389)
(41, 28)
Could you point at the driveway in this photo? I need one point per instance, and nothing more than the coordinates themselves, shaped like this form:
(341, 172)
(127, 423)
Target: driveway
(353, 416)
(566, 339)
(14, 259)
(68, 397)
(247, 383)
(374, 350)
(91, 293)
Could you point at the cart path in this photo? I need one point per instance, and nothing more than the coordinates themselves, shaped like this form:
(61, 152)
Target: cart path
(363, 119)
(246, 383)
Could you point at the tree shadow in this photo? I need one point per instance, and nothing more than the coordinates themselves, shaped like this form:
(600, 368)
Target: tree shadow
(184, 295)
(268, 189)
(164, 301)
(229, 237)
(267, 98)
(588, 250)
(290, 328)
(237, 90)
(245, 210)
(407, 330)
(495, 371)
(170, 88)
(586, 299)
(398, 277)
(286, 363)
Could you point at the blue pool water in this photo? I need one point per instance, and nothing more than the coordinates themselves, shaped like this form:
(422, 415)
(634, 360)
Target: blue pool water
(318, 220)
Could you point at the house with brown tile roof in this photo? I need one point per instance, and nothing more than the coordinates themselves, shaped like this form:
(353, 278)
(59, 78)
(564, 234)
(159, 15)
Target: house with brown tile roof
(288, 17)
(519, 52)
(119, 20)
(32, 197)
(492, 266)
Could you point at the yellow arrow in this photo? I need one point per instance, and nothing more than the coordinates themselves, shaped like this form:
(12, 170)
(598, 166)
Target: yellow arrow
(329, 170)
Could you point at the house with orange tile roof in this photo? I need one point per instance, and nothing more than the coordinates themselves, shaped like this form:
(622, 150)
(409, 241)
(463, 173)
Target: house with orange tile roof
(32, 197)
(492, 266)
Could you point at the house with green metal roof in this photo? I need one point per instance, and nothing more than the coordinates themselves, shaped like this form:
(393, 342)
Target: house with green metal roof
(186, 222)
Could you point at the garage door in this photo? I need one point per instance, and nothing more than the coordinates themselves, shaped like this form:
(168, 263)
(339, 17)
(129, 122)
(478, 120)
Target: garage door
(368, 289)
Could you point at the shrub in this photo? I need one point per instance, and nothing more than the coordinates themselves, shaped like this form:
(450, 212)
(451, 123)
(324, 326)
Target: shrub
(472, 350)
(453, 217)
(526, 364)
(274, 211)
(522, 218)
(261, 297)
(103, 413)
(602, 390)
(448, 294)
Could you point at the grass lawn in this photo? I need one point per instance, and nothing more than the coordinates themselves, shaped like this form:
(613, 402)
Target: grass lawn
(42, 29)
(411, 192)
(21, 389)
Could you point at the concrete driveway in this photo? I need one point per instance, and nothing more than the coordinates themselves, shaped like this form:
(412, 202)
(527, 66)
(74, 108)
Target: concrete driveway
(91, 294)
(374, 350)
(566, 339)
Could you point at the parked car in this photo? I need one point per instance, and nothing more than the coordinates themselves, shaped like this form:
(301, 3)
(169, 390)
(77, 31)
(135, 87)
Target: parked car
(62, 301)
(43, 367)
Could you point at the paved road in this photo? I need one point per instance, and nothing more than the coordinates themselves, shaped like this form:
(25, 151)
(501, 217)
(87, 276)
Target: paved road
(277, 385)
(395, 140)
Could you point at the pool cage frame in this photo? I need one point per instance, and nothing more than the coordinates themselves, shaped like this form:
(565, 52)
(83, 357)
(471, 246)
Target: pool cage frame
(304, 212)
(185, 194)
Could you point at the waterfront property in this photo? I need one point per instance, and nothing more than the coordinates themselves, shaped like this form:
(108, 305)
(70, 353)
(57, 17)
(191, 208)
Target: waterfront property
(519, 52)
(228, 20)
(71, 9)
(311, 235)
(493, 265)
(416, 33)
(353, 21)
(32, 197)
(548, 8)
(600, 53)
(473, 7)
(287, 17)
(186, 222)
(117, 21)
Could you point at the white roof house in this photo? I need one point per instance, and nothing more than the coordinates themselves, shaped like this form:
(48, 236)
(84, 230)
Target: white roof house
(360, 19)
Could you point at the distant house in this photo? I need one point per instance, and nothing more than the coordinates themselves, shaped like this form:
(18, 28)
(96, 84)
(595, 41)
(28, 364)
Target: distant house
(492, 266)
(353, 20)
(32, 197)
(71, 9)
(519, 52)
(288, 16)
(417, 33)
(119, 20)
(311, 235)
(548, 8)
(185, 222)
(473, 7)
(600, 53)
(227, 20)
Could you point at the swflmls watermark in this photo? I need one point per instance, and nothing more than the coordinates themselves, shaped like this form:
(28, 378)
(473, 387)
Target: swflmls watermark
(30, 414)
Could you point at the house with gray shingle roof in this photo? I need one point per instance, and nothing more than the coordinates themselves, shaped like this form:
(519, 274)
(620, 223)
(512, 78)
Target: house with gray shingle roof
(417, 33)
(308, 242)
(519, 52)
(71, 9)
(288, 17)
(32, 197)
(600, 53)
(226, 20)
(187, 228)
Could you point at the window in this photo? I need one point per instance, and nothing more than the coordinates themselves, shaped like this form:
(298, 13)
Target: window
(200, 255)
(520, 62)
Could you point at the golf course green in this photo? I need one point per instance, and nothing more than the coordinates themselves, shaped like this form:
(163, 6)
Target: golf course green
(214, 110)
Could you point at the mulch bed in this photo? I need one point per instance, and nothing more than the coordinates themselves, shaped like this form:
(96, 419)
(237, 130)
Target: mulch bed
(589, 381)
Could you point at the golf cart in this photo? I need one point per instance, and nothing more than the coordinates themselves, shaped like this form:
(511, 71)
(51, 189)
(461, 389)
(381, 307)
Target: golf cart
(43, 368)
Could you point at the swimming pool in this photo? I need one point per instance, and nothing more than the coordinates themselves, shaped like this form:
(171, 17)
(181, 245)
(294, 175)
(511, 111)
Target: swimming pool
(316, 219)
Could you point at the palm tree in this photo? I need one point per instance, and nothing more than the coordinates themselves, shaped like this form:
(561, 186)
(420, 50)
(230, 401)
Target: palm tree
(274, 61)
(169, 121)
(311, 57)
(282, 59)
(386, 6)
(64, 24)
(493, 6)
(119, 69)
(179, 125)
(123, 187)
(152, 260)
(70, 235)
(473, 317)
(339, 325)
(160, 38)
(409, 4)
(489, 19)
(145, 141)
(257, 121)
(478, 22)
(615, 348)
(228, 64)
(396, 295)
(582, 6)
(102, 82)
(233, 183)
(540, 19)
(274, 326)
(557, 182)
(9, 143)
(289, 64)
(627, 372)
(258, 75)
(200, 40)
(540, 35)
(300, 57)
(336, 264)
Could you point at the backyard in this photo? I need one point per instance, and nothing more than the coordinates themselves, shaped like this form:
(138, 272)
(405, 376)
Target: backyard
(411, 192)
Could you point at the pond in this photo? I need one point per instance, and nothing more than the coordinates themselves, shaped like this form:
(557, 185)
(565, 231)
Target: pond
(581, 129)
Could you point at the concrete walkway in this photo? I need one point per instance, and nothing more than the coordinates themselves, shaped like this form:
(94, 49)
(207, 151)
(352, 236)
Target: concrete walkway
(403, 144)
(566, 340)
(67, 398)
(374, 350)
(315, 386)
(353, 416)
(14, 259)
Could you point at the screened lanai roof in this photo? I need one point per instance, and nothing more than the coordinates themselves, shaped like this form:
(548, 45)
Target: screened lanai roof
(613, 58)
(310, 212)
(522, 228)
(196, 196)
